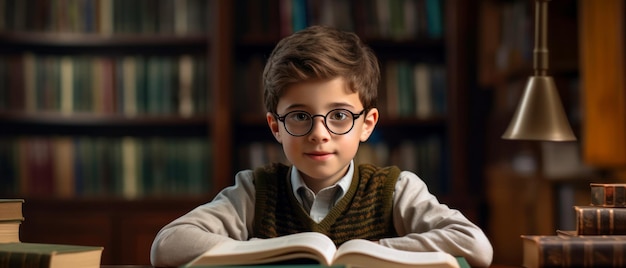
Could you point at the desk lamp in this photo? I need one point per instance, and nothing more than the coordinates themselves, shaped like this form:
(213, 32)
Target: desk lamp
(540, 115)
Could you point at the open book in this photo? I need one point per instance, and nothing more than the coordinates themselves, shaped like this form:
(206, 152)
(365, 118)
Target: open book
(321, 249)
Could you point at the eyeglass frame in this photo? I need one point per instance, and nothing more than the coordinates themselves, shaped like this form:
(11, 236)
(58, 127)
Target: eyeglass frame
(355, 116)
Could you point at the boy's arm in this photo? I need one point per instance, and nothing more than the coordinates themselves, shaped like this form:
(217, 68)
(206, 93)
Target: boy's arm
(228, 216)
(424, 224)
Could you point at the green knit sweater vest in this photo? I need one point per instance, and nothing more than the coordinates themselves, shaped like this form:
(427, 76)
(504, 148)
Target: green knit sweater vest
(364, 212)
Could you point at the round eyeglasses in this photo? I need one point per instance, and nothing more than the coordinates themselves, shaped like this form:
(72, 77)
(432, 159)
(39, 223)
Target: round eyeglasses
(337, 121)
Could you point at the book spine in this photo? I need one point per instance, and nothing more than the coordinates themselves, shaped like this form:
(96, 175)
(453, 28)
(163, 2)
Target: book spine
(10, 259)
(582, 253)
(600, 221)
(608, 195)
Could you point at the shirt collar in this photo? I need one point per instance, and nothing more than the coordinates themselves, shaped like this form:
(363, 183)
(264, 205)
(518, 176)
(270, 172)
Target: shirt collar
(343, 183)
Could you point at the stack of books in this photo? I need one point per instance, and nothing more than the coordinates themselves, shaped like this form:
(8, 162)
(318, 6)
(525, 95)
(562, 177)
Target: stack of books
(598, 241)
(16, 254)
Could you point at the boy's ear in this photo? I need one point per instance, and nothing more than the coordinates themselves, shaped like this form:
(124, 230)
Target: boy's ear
(273, 124)
(371, 118)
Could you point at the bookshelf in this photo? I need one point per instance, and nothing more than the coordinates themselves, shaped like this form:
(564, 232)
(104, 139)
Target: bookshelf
(102, 88)
(107, 111)
(224, 43)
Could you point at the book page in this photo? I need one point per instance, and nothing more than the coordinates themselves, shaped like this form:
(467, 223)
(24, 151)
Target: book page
(309, 245)
(363, 253)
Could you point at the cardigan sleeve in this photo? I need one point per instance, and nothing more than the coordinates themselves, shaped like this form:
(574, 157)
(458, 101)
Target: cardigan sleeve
(424, 224)
(227, 216)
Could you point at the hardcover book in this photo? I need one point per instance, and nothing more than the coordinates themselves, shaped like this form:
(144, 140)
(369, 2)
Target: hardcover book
(11, 218)
(608, 194)
(592, 220)
(573, 251)
(313, 247)
(15, 255)
(11, 209)
(10, 231)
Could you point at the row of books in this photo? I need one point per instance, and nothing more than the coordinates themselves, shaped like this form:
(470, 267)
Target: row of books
(376, 19)
(97, 166)
(422, 156)
(105, 17)
(598, 241)
(128, 85)
(15, 253)
(416, 90)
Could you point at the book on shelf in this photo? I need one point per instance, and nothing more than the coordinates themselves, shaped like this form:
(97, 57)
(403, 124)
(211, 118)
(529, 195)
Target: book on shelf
(11, 209)
(608, 194)
(423, 96)
(564, 250)
(318, 248)
(434, 13)
(15, 255)
(592, 220)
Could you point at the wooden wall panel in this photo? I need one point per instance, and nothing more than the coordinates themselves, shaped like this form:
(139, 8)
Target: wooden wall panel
(603, 83)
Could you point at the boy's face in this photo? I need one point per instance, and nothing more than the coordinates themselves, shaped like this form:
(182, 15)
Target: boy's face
(321, 156)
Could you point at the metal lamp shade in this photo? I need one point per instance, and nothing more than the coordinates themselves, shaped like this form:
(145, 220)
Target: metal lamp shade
(540, 115)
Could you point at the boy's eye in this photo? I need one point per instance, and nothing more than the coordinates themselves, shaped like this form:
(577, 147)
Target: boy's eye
(299, 116)
(338, 115)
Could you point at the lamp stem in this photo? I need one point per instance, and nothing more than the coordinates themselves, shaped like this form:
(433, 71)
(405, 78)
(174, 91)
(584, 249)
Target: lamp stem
(540, 114)
(540, 52)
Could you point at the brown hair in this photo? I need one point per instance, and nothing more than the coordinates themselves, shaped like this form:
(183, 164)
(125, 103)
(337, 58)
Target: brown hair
(321, 52)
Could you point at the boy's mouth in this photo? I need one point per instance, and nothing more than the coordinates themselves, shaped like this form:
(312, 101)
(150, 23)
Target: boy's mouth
(319, 155)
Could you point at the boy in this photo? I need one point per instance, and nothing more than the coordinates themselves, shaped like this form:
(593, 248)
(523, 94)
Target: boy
(320, 95)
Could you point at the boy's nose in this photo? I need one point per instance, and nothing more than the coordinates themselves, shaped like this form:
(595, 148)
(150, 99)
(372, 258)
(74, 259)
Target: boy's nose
(319, 132)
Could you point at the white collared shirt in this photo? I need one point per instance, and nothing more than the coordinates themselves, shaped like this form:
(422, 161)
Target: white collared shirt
(318, 205)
